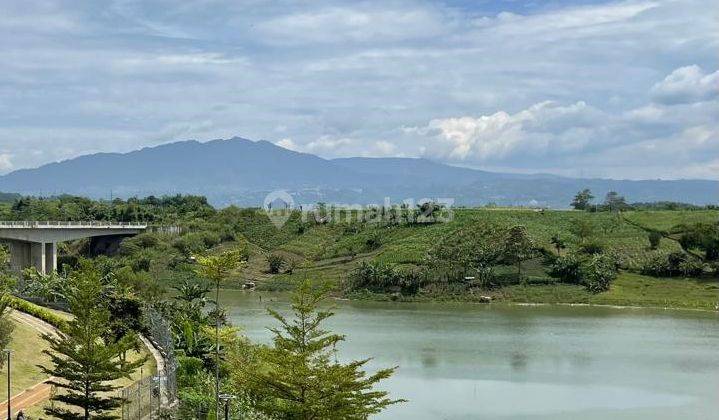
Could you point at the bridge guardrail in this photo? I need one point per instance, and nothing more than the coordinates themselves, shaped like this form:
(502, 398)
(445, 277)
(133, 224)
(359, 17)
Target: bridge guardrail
(80, 224)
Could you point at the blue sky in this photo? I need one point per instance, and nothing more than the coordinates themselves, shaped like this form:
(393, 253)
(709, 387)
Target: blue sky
(626, 89)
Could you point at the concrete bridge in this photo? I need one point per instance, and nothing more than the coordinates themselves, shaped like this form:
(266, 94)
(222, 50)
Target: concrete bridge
(34, 244)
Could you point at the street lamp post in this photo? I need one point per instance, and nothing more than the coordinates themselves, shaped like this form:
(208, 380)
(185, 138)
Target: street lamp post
(226, 398)
(9, 408)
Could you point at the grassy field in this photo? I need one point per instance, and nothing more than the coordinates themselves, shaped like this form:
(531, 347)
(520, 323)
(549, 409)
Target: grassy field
(27, 347)
(327, 253)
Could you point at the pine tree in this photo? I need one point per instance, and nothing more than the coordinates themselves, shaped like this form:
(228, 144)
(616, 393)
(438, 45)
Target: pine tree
(299, 378)
(84, 361)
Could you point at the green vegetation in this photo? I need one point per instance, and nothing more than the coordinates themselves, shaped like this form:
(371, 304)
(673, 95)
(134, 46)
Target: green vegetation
(84, 360)
(27, 352)
(401, 252)
(47, 315)
(298, 377)
(620, 257)
(6, 326)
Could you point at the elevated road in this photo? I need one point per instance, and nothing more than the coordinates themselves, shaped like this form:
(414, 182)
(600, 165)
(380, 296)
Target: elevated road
(34, 243)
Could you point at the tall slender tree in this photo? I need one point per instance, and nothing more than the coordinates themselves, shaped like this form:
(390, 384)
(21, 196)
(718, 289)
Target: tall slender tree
(216, 268)
(517, 246)
(84, 361)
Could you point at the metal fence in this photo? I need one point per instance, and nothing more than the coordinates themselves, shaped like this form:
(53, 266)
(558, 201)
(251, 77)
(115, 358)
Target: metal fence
(154, 397)
(159, 333)
(142, 399)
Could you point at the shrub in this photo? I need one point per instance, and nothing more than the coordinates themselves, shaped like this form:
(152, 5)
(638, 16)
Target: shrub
(567, 269)
(275, 263)
(381, 278)
(599, 272)
(671, 265)
(592, 248)
(595, 272)
(657, 265)
(38, 312)
(654, 239)
(373, 242)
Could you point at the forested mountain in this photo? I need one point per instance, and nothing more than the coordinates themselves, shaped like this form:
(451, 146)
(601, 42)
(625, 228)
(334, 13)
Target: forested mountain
(240, 171)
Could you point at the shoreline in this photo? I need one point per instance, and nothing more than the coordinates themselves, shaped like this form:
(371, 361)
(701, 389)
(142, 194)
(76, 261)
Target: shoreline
(386, 298)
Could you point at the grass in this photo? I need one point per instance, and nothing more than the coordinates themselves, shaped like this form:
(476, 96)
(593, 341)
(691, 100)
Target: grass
(27, 347)
(628, 290)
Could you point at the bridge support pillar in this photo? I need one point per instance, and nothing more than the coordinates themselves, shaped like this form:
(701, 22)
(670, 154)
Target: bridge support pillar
(38, 256)
(20, 255)
(41, 255)
(50, 257)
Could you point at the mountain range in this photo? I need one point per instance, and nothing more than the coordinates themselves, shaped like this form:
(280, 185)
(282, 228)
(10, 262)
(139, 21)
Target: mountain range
(240, 171)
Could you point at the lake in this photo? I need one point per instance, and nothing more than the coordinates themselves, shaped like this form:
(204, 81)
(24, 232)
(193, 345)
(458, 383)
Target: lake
(473, 361)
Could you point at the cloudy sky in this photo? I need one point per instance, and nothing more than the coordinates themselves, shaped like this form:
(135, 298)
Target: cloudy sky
(626, 89)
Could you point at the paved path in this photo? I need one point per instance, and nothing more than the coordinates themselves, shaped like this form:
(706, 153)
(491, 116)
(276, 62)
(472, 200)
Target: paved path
(40, 392)
(28, 398)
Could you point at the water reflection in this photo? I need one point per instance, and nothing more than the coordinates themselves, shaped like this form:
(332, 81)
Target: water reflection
(472, 361)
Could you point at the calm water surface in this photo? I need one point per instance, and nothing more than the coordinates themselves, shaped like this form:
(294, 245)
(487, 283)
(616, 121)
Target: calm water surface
(469, 361)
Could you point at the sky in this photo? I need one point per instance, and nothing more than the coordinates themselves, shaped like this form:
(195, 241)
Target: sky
(617, 89)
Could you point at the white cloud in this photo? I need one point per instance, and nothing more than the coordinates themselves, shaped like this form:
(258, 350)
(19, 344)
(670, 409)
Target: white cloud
(348, 24)
(287, 143)
(5, 162)
(546, 127)
(341, 78)
(687, 84)
(327, 144)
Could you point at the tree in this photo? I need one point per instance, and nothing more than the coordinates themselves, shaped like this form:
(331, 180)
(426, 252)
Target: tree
(655, 239)
(517, 246)
(614, 202)
(298, 377)
(428, 211)
(559, 244)
(274, 263)
(216, 268)
(582, 200)
(582, 228)
(84, 362)
(701, 236)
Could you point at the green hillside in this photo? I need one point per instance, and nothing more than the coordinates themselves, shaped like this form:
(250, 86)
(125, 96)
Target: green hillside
(331, 252)
(468, 254)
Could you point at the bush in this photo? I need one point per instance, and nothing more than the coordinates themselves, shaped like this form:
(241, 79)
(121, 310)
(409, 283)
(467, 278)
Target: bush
(592, 248)
(38, 312)
(567, 269)
(672, 265)
(599, 272)
(654, 239)
(382, 278)
(373, 242)
(275, 263)
(595, 272)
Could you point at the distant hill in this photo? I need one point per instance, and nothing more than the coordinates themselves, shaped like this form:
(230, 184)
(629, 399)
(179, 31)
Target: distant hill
(240, 171)
(8, 197)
